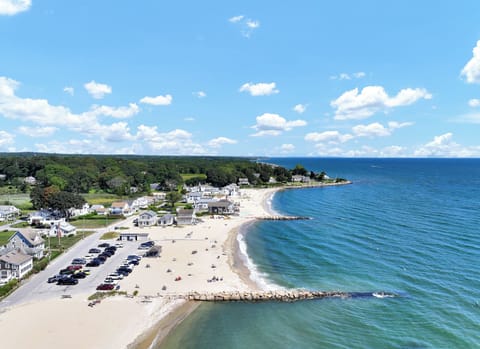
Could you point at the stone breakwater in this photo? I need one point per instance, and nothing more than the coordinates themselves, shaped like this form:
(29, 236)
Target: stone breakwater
(281, 218)
(256, 296)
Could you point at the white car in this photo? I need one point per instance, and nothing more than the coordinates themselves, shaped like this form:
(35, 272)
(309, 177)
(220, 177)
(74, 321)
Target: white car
(118, 245)
(115, 276)
(109, 280)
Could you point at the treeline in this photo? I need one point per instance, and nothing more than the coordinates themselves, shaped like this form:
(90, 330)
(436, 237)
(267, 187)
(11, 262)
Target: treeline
(119, 174)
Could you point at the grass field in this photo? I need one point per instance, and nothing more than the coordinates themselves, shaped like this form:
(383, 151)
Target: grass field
(98, 222)
(22, 201)
(4, 236)
(109, 235)
(186, 176)
(101, 198)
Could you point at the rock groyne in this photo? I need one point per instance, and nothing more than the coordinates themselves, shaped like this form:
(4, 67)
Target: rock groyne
(257, 296)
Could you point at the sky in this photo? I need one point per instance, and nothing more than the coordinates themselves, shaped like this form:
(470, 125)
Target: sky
(243, 78)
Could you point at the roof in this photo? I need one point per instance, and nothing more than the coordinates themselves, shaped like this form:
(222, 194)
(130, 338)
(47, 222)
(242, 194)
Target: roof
(133, 234)
(119, 204)
(148, 213)
(14, 257)
(185, 212)
(221, 203)
(31, 238)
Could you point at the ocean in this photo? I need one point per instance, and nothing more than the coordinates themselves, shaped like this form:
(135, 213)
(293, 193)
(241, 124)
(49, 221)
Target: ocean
(407, 226)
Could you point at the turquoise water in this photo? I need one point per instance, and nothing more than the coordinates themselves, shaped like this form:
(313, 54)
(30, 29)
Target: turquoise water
(409, 226)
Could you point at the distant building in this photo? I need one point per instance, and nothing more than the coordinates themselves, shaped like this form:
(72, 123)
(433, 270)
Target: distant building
(147, 219)
(14, 265)
(133, 236)
(221, 207)
(28, 242)
(62, 229)
(8, 212)
(243, 181)
(186, 216)
(166, 220)
(120, 207)
(30, 180)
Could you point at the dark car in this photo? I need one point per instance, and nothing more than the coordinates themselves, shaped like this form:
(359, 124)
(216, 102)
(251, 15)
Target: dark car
(133, 262)
(103, 245)
(94, 250)
(108, 252)
(134, 257)
(66, 271)
(124, 268)
(79, 275)
(105, 287)
(93, 263)
(53, 278)
(111, 248)
(123, 271)
(102, 258)
(79, 261)
(67, 281)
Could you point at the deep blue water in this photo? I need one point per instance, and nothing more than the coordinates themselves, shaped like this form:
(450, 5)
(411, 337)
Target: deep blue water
(409, 226)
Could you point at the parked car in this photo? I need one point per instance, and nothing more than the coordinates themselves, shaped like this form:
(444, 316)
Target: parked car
(109, 281)
(102, 258)
(109, 252)
(53, 278)
(79, 275)
(111, 248)
(115, 276)
(118, 245)
(134, 256)
(94, 263)
(67, 281)
(103, 245)
(94, 250)
(123, 272)
(86, 271)
(66, 271)
(79, 261)
(125, 268)
(133, 262)
(74, 267)
(105, 287)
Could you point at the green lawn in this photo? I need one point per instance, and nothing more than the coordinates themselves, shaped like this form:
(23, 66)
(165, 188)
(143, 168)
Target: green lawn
(21, 200)
(186, 176)
(109, 235)
(93, 223)
(5, 235)
(101, 198)
(65, 242)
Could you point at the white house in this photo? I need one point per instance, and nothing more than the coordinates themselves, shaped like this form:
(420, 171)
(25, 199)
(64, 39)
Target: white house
(221, 207)
(147, 219)
(14, 265)
(166, 220)
(120, 207)
(29, 242)
(8, 212)
(62, 229)
(30, 180)
(99, 209)
(185, 216)
(243, 181)
(202, 205)
(193, 197)
(75, 212)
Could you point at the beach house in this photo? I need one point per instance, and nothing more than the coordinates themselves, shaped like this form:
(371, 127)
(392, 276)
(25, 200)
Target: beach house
(8, 212)
(166, 220)
(14, 265)
(147, 219)
(28, 242)
(185, 216)
(62, 229)
(120, 208)
(221, 207)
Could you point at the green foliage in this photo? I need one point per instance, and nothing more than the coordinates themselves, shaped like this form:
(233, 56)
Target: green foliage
(109, 235)
(39, 265)
(103, 295)
(5, 235)
(6, 289)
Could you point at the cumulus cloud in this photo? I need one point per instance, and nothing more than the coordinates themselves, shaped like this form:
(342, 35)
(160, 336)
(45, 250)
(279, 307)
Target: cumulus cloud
(273, 125)
(46, 131)
(236, 19)
(345, 76)
(378, 130)
(445, 146)
(200, 94)
(158, 100)
(219, 141)
(471, 70)
(287, 148)
(176, 142)
(6, 138)
(12, 7)
(474, 102)
(115, 112)
(331, 137)
(70, 90)
(372, 99)
(260, 89)
(300, 108)
(97, 90)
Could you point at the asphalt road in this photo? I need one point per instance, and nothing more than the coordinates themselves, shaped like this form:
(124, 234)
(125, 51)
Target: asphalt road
(37, 288)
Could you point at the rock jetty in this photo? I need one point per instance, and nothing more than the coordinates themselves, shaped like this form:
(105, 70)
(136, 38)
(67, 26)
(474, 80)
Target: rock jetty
(258, 296)
(282, 218)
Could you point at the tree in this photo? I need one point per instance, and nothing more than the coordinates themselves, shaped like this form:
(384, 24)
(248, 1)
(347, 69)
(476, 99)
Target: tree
(299, 170)
(173, 197)
(63, 201)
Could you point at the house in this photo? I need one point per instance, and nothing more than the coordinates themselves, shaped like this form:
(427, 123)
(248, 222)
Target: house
(185, 216)
(221, 207)
(8, 212)
(193, 198)
(231, 190)
(99, 209)
(29, 242)
(142, 202)
(120, 207)
(30, 180)
(300, 178)
(243, 181)
(202, 205)
(75, 212)
(14, 265)
(167, 219)
(147, 219)
(159, 196)
(62, 229)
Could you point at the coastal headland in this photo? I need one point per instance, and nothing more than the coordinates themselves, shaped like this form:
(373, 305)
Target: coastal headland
(197, 259)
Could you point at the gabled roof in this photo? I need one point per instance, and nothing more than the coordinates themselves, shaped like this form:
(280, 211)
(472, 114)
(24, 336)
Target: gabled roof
(14, 257)
(148, 213)
(221, 203)
(31, 238)
(185, 212)
(119, 204)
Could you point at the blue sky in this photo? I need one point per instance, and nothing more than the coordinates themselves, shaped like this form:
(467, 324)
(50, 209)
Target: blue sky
(249, 78)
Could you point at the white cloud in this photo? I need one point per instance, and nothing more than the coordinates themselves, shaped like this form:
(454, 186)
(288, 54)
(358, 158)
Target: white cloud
(12, 7)
(471, 71)
(346, 76)
(300, 108)
(372, 99)
(159, 100)
(6, 138)
(445, 146)
(46, 131)
(247, 25)
(287, 148)
(70, 90)
(189, 119)
(374, 129)
(474, 102)
(200, 94)
(393, 151)
(235, 19)
(219, 141)
(115, 112)
(331, 137)
(260, 89)
(97, 90)
(273, 125)
(176, 142)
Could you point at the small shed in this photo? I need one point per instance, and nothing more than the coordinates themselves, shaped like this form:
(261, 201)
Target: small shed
(133, 236)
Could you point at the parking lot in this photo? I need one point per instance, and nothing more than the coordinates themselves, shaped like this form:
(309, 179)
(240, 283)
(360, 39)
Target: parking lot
(38, 288)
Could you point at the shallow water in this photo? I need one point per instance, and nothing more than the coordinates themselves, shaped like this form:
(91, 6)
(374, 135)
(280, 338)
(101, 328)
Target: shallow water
(408, 226)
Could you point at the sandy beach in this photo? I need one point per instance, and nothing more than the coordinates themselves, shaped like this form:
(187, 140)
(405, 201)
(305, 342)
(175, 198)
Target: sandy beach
(200, 258)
